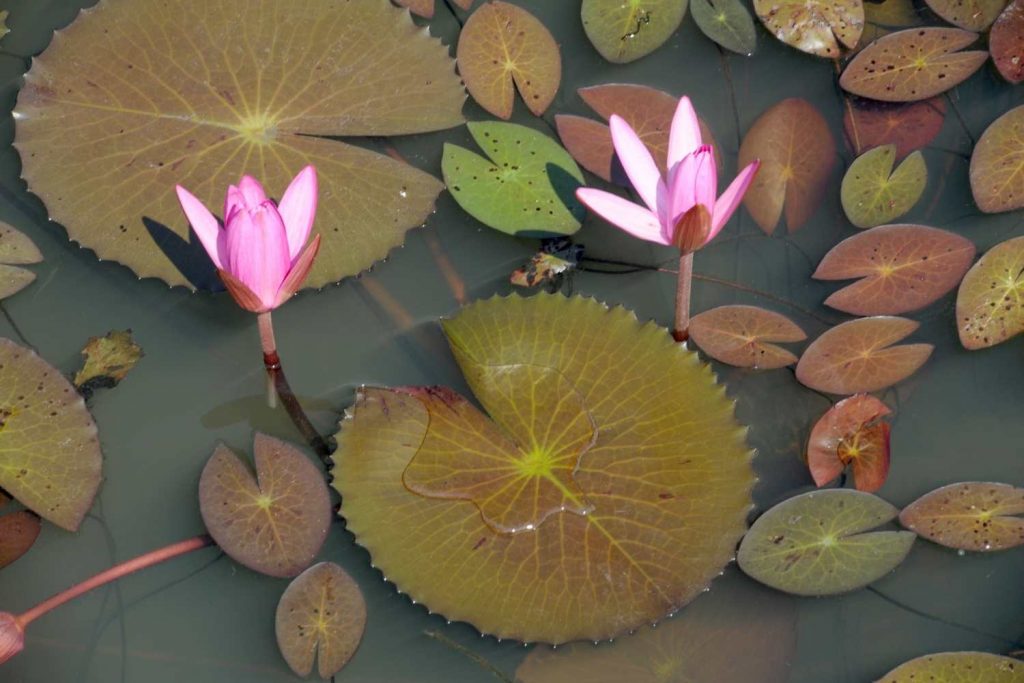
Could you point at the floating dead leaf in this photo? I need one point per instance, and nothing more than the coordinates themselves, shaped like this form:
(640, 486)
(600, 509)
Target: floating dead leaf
(105, 113)
(912, 65)
(958, 667)
(973, 15)
(817, 27)
(321, 616)
(1006, 42)
(648, 112)
(727, 22)
(18, 531)
(503, 47)
(908, 126)
(15, 249)
(997, 164)
(542, 268)
(589, 411)
(108, 360)
(873, 193)
(626, 31)
(742, 336)
(50, 457)
(797, 154)
(990, 302)
(859, 356)
(903, 268)
(273, 522)
(422, 8)
(976, 516)
(851, 433)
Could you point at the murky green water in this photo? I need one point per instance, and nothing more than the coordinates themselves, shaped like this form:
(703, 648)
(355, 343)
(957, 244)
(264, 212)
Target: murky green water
(202, 618)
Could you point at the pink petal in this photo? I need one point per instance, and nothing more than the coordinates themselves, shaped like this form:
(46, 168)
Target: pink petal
(300, 270)
(257, 249)
(705, 182)
(242, 295)
(252, 191)
(731, 198)
(203, 222)
(637, 161)
(684, 137)
(298, 209)
(233, 200)
(684, 183)
(634, 219)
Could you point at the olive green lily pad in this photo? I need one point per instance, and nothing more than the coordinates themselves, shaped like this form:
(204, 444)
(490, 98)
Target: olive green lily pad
(821, 543)
(990, 301)
(321, 616)
(526, 187)
(273, 522)
(873, 194)
(18, 531)
(108, 360)
(727, 22)
(977, 516)
(16, 249)
(997, 164)
(973, 15)
(132, 99)
(958, 667)
(912, 65)
(609, 470)
(818, 27)
(628, 30)
(50, 457)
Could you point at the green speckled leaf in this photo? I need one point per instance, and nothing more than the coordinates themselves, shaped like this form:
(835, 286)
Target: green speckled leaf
(997, 164)
(526, 186)
(990, 301)
(973, 15)
(608, 470)
(958, 667)
(625, 30)
(974, 515)
(873, 194)
(815, 543)
(727, 22)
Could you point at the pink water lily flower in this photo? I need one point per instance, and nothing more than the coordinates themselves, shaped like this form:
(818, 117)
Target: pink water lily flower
(260, 252)
(683, 209)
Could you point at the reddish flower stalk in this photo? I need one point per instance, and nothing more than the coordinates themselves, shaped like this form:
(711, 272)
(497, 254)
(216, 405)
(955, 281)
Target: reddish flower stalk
(681, 328)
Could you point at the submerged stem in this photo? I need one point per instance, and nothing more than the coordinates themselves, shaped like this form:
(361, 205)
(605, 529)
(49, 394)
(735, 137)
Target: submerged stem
(681, 329)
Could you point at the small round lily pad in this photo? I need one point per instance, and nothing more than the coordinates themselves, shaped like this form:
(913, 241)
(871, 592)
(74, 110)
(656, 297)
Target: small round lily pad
(873, 193)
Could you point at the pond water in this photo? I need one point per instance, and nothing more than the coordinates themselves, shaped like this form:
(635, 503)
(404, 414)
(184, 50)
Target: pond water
(203, 618)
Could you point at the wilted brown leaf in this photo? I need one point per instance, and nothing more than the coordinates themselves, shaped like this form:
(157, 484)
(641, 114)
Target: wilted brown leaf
(817, 27)
(908, 126)
(851, 433)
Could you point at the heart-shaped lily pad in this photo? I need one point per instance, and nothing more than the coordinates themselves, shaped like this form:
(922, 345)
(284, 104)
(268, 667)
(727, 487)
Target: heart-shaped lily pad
(321, 616)
(990, 301)
(18, 531)
(909, 126)
(977, 516)
(815, 543)
(958, 667)
(973, 15)
(997, 164)
(626, 31)
(742, 336)
(797, 154)
(873, 194)
(727, 22)
(859, 356)
(273, 522)
(903, 268)
(15, 249)
(817, 27)
(852, 433)
(526, 187)
(50, 456)
(106, 113)
(613, 474)
(1006, 42)
(912, 65)
(503, 47)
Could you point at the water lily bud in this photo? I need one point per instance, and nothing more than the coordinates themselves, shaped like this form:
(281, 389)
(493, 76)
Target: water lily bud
(692, 229)
(12, 636)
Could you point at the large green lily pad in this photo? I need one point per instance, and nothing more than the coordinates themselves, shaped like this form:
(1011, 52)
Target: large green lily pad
(974, 515)
(973, 15)
(958, 667)
(628, 30)
(821, 543)
(873, 193)
(818, 27)
(990, 301)
(609, 470)
(526, 185)
(133, 98)
(50, 455)
(997, 164)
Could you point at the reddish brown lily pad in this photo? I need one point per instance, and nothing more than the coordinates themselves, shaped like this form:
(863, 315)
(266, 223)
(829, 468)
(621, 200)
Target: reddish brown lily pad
(818, 27)
(851, 433)
(997, 164)
(912, 65)
(903, 268)
(973, 15)
(18, 531)
(273, 522)
(797, 153)
(1006, 42)
(990, 302)
(859, 356)
(976, 516)
(742, 336)
(909, 126)
(502, 48)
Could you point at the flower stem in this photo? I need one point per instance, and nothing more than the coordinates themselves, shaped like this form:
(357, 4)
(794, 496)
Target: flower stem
(681, 329)
(115, 573)
(272, 362)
